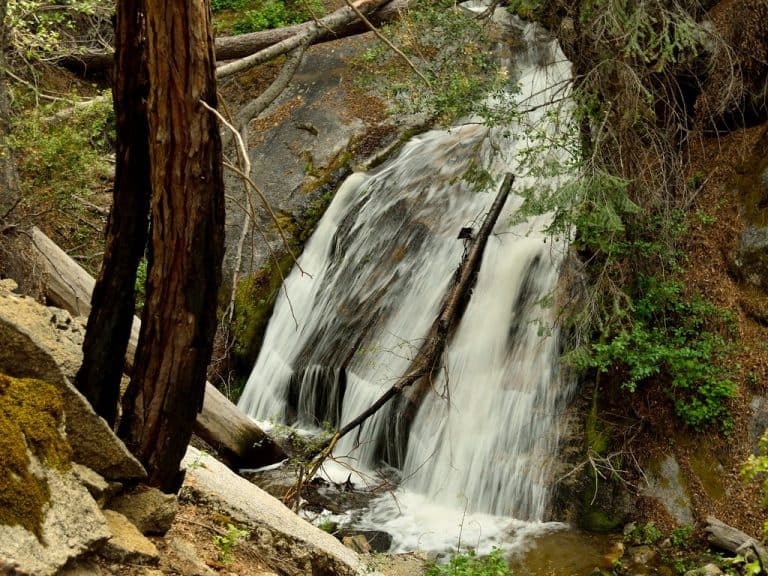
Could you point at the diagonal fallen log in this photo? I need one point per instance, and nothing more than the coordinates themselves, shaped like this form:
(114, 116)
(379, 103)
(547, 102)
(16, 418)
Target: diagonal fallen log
(429, 357)
(221, 424)
(728, 538)
(235, 47)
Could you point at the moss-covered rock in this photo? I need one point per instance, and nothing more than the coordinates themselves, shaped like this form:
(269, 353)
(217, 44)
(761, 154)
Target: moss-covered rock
(31, 421)
(254, 299)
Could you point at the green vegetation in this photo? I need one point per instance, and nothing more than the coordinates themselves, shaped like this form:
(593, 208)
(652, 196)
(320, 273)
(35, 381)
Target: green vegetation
(621, 194)
(667, 338)
(64, 170)
(45, 28)
(243, 16)
(446, 46)
(141, 285)
(644, 534)
(31, 419)
(470, 564)
(226, 543)
(681, 537)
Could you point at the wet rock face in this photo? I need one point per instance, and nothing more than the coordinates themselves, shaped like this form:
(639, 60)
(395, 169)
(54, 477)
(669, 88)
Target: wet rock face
(667, 485)
(750, 261)
(752, 257)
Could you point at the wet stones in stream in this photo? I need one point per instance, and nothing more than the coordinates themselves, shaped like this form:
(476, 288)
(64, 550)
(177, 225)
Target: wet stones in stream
(320, 496)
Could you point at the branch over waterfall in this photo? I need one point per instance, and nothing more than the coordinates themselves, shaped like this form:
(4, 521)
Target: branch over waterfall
(428, 358)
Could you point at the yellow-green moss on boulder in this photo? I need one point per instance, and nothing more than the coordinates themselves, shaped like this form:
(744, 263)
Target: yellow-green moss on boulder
(31, 421)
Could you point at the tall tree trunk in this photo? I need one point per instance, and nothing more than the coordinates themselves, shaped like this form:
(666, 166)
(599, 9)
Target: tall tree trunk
(109, 324)
(9, 181)
(187, 240)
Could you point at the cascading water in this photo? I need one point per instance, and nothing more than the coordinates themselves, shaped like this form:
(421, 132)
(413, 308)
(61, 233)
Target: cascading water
(381, 261)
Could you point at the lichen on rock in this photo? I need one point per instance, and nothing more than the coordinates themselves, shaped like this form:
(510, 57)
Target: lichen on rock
(31, 422)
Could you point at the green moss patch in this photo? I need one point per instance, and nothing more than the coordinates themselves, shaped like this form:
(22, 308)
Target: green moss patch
(31, 415)
(254, 299)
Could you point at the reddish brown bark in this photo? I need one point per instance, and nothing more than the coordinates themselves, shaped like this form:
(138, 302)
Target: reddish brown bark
(187, 214)
(109, 324)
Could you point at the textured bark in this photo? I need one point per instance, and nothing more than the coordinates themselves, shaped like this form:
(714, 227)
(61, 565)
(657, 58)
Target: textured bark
(187, 240)
(725, 537)
(9, 180)
(109, 324)
(234, 47)
(220, 423)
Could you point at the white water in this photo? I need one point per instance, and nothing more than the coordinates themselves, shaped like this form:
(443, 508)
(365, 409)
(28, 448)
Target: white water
(381, 260)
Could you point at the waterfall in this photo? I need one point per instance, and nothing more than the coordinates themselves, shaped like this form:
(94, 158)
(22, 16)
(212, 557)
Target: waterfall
(379, 264)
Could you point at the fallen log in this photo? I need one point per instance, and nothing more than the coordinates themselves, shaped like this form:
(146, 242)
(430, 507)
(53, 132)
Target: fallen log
(429, 356)
(725, 537)
(235, 47)
(220, 423)
(315, 31)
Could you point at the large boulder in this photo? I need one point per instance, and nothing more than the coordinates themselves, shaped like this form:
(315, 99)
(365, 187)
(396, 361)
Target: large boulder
(750, 262)
(282, 538)
(44, 343)
(752, 256)
(47, 518)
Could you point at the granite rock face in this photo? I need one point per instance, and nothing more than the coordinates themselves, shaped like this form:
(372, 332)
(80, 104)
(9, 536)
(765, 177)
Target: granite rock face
(72, 526)
(281, 537)
(126, 544)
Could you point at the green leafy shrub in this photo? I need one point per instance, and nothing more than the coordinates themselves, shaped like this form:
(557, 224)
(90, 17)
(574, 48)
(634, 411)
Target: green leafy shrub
(40, 29)
(219, 5)
(644, 534)
(447, 47)
(667, 337)
(64, 168)
(470, 564)
(276, 14)
(226, 543)
(141, 283)
(681, 536)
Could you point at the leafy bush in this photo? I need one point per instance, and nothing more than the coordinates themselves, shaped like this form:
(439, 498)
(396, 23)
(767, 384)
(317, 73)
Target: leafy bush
(219, 5)
(667, 337)
(681, 536)
(64, 170)
(276, 14)
(43, 28)
(226, 543)
(644, 534)
(470, 564)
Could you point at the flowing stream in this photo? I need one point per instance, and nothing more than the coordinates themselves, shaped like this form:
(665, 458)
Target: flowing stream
(475, 460)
